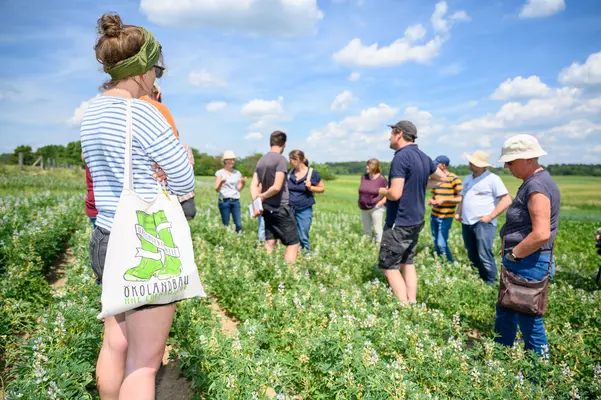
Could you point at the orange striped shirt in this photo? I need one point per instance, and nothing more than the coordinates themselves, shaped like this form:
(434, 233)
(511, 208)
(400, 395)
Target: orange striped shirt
(450, 189)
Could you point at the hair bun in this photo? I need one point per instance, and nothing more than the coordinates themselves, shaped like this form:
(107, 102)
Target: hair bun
(110, 25)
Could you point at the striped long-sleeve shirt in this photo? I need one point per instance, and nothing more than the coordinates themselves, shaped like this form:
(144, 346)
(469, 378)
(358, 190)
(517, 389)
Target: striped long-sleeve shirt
(103, 131)
(450, 189)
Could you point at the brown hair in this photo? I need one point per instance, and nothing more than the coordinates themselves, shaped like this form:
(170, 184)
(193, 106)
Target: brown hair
(116, 43)
(300, 156)
(278, 138)
(374, 165)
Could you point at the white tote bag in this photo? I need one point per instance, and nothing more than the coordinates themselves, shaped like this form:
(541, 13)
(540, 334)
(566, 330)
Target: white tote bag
(149, 259)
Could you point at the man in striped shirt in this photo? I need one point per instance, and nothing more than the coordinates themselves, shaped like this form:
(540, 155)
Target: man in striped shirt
(445, 198)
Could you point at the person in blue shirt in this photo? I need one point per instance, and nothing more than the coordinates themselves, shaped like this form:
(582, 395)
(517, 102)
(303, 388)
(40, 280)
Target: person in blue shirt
(411, 172)
(303, 182)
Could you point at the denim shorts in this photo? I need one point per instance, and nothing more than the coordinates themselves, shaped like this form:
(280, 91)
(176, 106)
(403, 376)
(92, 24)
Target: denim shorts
(189, 208)
(398, 246)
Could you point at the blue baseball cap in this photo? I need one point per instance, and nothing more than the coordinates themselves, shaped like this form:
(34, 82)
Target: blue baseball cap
(442, 160)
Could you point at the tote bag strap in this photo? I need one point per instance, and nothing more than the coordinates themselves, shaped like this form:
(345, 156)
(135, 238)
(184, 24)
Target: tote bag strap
(128, 178)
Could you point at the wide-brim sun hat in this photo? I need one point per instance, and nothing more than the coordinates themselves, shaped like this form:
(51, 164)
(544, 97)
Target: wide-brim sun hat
(521, 147)
(228, 155)
(479, 158)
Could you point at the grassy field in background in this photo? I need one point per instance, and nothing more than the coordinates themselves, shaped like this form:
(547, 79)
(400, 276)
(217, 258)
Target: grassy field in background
(580, 195)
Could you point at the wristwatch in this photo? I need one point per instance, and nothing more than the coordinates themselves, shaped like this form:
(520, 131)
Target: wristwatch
(512, 257)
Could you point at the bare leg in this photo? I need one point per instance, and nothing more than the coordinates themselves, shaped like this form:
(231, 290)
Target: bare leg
(397, 283)
(111, 360)
(410, 281)
(291, 253)
(147, 332)
(269, 246)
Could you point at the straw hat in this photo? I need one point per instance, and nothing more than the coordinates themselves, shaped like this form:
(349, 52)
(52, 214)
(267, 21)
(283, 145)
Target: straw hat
(521, 147)
(228, 155)
(479, 158)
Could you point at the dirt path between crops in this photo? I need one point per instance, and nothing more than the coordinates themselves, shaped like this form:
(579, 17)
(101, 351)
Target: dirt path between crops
(171, 385)
(56, 275)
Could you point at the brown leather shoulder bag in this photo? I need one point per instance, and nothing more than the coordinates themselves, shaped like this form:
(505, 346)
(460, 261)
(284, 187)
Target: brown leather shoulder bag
(524, 295)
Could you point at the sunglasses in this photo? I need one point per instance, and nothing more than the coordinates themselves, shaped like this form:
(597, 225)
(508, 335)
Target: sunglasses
(159, 71)
(509, 163)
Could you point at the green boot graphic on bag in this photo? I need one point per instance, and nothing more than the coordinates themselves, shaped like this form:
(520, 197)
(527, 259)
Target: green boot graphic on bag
(151, 256)
(172, 264)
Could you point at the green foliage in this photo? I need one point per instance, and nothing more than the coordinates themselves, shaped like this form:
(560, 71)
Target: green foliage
(358, 167)
(327, 327)
(324, 171)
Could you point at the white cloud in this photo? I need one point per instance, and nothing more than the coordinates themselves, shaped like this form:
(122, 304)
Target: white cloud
(215, 106)
(404, 49)
(254, 136)
(577, 129)
(354, 76)
(519, 88)
(442, 25)
(75, 119)
(204, 79)
(263, 17)
(342, 101)
(588, 73)
(259, 108)
(266, 113)
(541, 8)
(423, 121)
(354, 127)
(597, 149)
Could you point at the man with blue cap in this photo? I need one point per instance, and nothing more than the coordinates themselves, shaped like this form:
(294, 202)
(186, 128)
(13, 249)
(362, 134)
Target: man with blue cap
(445, 198)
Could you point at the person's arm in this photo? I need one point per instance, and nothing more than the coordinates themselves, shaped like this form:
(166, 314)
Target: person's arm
(319, 188)
(502, 205)
(395, 191)
(219, 181)
(166, 151)
(241, 183)
(276, 187)
(382, 201)
(436, 179)
(539, 207)
(255, 187)
(459, 210)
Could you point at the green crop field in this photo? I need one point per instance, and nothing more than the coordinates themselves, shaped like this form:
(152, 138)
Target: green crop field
(325, 328)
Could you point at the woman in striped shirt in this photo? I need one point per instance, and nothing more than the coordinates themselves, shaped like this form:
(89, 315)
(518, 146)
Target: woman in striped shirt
(134, 342)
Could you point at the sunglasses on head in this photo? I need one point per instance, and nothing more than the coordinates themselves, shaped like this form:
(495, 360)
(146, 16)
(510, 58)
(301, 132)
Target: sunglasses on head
(159, 71)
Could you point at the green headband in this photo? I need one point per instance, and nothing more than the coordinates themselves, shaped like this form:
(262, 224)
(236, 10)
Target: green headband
(139, 63)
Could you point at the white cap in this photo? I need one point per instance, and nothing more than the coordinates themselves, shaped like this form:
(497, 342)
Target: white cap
(479, 158)
(228, 155)
(521, 147)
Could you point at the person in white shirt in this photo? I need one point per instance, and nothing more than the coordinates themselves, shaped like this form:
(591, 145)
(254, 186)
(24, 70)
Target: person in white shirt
(229, 182)
(485, 197)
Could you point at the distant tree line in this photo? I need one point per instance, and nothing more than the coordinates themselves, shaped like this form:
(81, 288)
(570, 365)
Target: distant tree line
(358, 167)
(204, 164)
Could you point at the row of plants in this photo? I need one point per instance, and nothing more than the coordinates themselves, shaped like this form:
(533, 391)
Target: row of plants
(329, 327)
(57, 358)
(33, 234)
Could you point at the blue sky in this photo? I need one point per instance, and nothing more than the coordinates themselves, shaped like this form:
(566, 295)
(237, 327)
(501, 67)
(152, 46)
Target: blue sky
(332, 73)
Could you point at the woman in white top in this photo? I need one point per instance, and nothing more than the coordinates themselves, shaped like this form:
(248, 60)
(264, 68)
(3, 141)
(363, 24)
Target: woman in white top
(229, 183)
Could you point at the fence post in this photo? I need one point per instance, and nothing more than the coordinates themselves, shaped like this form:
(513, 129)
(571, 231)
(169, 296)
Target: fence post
(20, 161)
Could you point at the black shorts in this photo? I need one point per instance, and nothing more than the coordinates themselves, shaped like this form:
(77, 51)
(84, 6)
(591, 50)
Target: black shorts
(99, 242)
(280, 224)
(189, 207)
(398, 245)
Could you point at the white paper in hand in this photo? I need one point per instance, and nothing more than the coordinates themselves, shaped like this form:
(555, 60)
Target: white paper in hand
(257, 205)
